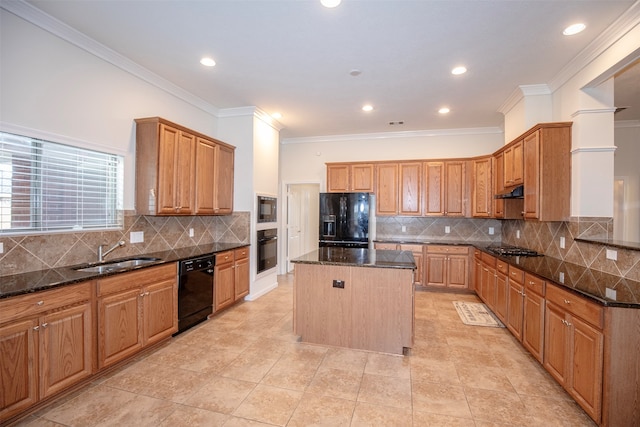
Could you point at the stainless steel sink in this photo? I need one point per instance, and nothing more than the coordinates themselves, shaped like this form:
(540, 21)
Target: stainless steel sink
(115, 265)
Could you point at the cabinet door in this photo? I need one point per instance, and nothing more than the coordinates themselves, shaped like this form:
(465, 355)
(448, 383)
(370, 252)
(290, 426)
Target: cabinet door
(434, 184)
(585, 386)
(66, 348)
(477, 282)
(518, 177)
(224, 180)
(515, 309)
(482, 199)
(498, 184)
(502, 289)
(205, 177)
(489, 286)
(458, 271)
(241, 278)
(533, 327)
(223, 286)
(416, 250)
(555, 343)
(410, 188)
(531, 172)
(119, 326)
(160, 311)
(436, 270)
(362, 178)
(18, 367)
(455, 188)
(338, 178)
(185, 158)
(387, 189)
(167, 165)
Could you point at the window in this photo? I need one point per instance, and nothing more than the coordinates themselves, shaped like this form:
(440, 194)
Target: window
(46, 186)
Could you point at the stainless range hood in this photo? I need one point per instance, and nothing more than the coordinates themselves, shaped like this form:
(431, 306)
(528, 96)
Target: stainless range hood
(514, 193)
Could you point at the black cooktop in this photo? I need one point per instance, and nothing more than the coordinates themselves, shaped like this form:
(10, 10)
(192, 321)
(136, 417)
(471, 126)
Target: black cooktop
(512, 251)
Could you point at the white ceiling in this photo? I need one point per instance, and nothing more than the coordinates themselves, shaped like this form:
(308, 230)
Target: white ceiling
(294, 56)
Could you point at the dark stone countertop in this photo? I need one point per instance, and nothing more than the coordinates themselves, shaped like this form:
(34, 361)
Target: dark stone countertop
(35, 281)
(354, 257)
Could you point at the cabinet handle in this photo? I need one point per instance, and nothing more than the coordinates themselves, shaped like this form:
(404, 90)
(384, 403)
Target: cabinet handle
(35, 328)
(44, 325)
(532, 282)
(146, 294)
(567, 301)
(39, 303)
(142, 295)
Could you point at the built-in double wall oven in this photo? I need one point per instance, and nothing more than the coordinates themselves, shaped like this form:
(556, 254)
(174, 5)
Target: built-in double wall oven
(267, 244)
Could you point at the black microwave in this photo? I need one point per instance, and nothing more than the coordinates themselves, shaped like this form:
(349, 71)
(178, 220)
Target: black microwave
(267, 209)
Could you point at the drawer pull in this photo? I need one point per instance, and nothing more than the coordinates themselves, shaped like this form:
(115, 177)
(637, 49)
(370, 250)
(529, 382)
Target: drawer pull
(142, 295)
(35, 328)
(40, 303)
(44, 325)
(531, 282)
(567, 301)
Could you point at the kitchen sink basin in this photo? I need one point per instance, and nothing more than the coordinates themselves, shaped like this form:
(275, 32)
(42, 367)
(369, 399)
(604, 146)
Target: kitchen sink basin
(115, 265)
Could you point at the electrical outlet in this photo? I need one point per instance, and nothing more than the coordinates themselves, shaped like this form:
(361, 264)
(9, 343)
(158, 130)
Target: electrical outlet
(561, 277)
(1, 248)
(404, 228)
(517, 234)
(562, 243)
(610, 293)
(136, 237)
(191, 232)
(492, 231)
(612, 255)
(447, 229)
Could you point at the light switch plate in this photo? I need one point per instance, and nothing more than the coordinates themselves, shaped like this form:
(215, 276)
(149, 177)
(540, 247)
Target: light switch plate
(1, 248)
(492, 231)
(562, 243)
(191, 232)
(404, 228)
(561, 277)
(136, 237)
(517, 234)
(610, 293)
(612, 255)
(447, 229)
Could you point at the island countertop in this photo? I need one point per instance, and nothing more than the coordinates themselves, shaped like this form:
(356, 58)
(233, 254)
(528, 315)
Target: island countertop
(356, 257)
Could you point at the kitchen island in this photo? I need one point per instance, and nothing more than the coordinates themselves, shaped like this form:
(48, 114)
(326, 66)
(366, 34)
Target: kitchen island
(355, 298)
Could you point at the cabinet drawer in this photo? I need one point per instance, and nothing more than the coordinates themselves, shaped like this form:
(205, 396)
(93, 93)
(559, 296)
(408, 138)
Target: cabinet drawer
(516, 275)
(444, 249)
(386, 246)
(32, 304)
(502, 267)
(412, 248)
(224, 257)
(137, 279)
(477, 254)
(577, 306)
(241, 253)
(534, 284)
(488, 259)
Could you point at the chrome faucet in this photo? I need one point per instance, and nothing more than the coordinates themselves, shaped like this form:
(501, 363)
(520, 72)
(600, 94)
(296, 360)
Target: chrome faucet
(101, 254)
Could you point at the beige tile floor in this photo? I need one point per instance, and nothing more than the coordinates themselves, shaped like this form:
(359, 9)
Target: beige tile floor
(245, 367)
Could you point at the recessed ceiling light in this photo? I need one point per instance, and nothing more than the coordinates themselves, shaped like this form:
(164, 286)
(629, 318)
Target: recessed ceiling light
(443, 110)
(459, 70)
(209, 62)
(276, 116)
(330, 3)
(574, 29)
(367, 108)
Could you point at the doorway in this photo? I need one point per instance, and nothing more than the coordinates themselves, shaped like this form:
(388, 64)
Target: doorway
(302, 220)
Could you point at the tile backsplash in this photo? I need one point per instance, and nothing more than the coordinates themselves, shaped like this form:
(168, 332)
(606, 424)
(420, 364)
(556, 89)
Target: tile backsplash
(37, 252)
(434, 228)
(544, 237)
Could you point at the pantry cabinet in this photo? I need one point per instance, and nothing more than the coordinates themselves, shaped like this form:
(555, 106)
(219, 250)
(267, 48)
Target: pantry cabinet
(135, 310)
(482, 191)
(181, 172)
(447, 266)
(47, 345)
(350, 177)
(231, 277)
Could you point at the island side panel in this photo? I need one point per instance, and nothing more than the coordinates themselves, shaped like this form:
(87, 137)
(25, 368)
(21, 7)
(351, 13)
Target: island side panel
(322, 313)
(383, 309)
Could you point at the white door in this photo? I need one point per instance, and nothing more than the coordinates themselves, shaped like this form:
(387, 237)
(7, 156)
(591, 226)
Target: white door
(302, 220)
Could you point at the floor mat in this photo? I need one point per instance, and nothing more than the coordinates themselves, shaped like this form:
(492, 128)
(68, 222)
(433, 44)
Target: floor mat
(476, 314)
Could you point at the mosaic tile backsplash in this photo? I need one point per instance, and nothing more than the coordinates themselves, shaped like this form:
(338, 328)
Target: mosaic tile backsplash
(433, 229)
(38, 252)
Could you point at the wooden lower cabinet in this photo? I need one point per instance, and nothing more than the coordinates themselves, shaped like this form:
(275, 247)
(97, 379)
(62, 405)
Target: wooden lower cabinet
(447, 266)
(136, 310)
(515, 308)
(418, 256)
(231, 277)
(533, 319)
(46, 345)
(501, 296)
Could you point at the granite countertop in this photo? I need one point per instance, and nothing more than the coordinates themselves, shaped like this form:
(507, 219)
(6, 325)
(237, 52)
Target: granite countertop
(40, 280)
(359, 258)
(477, 244)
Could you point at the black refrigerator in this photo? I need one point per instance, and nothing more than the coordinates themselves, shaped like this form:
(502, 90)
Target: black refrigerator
(344, 220)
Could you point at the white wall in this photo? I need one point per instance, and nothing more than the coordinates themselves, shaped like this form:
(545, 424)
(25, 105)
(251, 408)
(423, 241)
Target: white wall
(304, 162)
(51, 86)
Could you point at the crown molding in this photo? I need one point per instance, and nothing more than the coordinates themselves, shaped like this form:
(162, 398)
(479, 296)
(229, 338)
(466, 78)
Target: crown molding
(393, 135)
(250, 111)
(535, 90)
(519, 94)
(594, 149)
(625, 23)
(621, 124)
(48, 23)
(593, 111)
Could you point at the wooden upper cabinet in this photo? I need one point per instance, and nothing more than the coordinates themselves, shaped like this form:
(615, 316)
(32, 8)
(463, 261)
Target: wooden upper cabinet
(547, 169)
(482, 198)
(498, 184)
(410, 188)
(387, 189)
(434, 186)
(181, 172)
(350, 177)
(455, 188)
(513, 165)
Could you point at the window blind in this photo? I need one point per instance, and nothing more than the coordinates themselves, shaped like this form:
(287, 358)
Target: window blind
(47, 186)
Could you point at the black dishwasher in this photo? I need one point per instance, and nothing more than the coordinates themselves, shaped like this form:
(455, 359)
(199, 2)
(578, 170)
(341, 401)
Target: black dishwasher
(195, 291)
